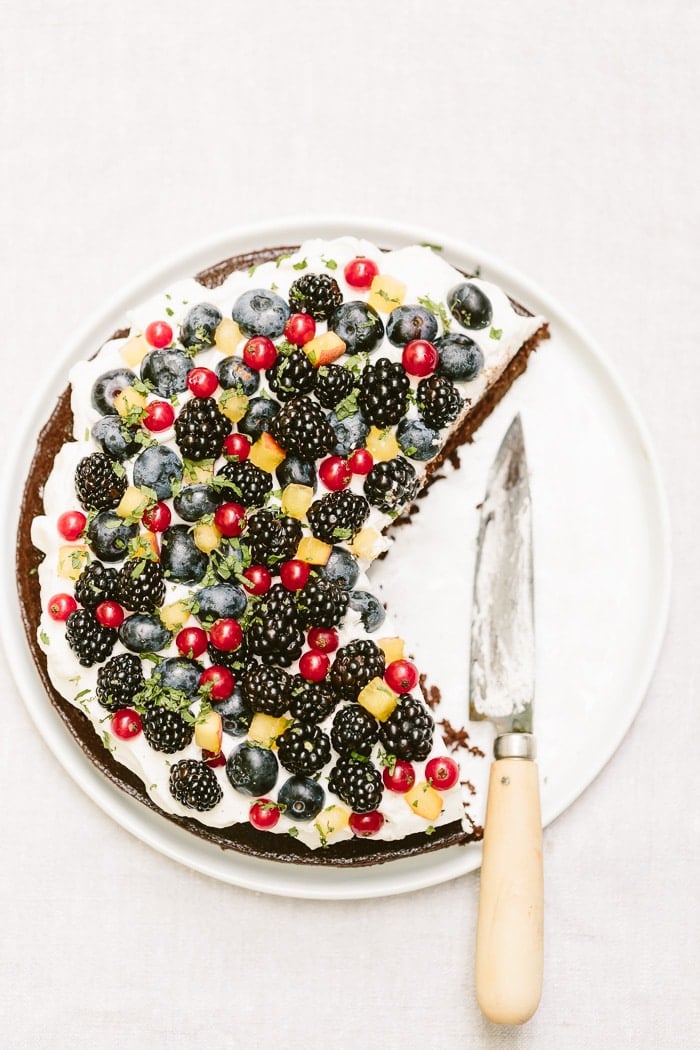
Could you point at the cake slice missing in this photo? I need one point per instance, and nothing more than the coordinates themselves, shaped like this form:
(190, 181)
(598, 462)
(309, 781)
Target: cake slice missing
(208, 498)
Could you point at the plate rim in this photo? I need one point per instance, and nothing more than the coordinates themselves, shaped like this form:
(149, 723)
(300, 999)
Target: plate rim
(251, 873)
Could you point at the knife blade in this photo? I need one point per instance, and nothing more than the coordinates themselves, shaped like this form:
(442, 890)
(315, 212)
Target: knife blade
(509, 944)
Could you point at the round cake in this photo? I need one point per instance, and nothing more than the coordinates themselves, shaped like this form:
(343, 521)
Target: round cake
(206, 502)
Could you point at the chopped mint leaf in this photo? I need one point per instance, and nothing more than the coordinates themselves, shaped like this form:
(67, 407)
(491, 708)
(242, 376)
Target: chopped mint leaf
(438, 309)
(495, 333)
(301, 265)
(342, 534)
(410, 451)
(169, 311)
(294, 832)
(281, 258)
(330, 264)
(430, 830)
(107, 741)
(44, 637)
(435, 247)
(347, 407)
(252, 269)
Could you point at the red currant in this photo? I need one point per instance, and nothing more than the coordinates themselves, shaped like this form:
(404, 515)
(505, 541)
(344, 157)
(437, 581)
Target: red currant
(361, 461)
(126, 723)
(229, 519)
(399, 777)
(442, 772)
(260, 352)
(213, 758)
(313, 666)
(191, 641)
(325, 639)
(264, 814)
(360, 272)
(420, 357)
(226, 635)
(300, 328)
(401, 676)
(365, 824)
(159, 415)
(335, 473)
(202, 382)
(294, 574)
(219, 680)
(236, 446)
(159, 334)
(61, 606)
(259, 579)
(157, 518)
(109, 614)
(71, 524)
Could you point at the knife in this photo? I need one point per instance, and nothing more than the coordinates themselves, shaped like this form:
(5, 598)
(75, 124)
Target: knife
(509, 941)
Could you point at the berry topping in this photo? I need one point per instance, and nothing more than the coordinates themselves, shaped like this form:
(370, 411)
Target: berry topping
(266, 689)
(460, 357)
(302, 798)
(115, 438)
(272, 538)
(200, 429)
(95, 584)
(322, 602)
(217, 682)
(399, 776)
(181, 559)
(71, 524)
(60, 606)
(317, 294)
(90, 641)
(335, 473)
(166, 730)
(438, 401)
(360, 272)
(259, 353)
(226, 634)
(371, 610)
(191, 642)
(360, 461)
(442, 772)
(333, 384)
(259, 416)
(365, 824)
(157, 517)
(310, 701)
(299, 329)
(357, 782)
(303, 749)
(260, 312)
(383, 396)
(248, 484)
(325, 639)
(235, 374)
(407, 324)
(264, 814)
(391, 484)
(350, 431)
(159, 334)
(358, 325)
(158, 468)
(338, 516)
(166, 371)
(314, 665)
(470, 306)
(259, 579)
(236, 446)
(119, 681)
(198, 329)
(354, 667)
(274, 632)
(109, 535)
(420, 358)
(342, 567)
(252, 769)
(294, 574)
(109, 614)
(202, 382)
(194, 785)
(401, 676)
(408, 731)
(292, 374)
(144, 633)
(98, 484)
(417, 440)
(108, 387)
(302, 429)
(229, 519)
(140, 585)
(355, 731)
(126, 723)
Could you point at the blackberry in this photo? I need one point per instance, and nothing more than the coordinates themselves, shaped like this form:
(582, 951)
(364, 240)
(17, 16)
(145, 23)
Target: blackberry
(383, 396)
(194, 785)
(302, 429)
(118, 681)
(355, 665)
(244, 483)
(274, 632)
(321, 602)
(272, 538)
(292, 374)
(200, 429)
(97, 483)
(333, 384)
(354, 731)
(140, 585)
(408, 731)
(438, 401)
(266, 689)
(391, 484)
(238, 661)
(166, 730)
(310, 701)
(357, 783)
(90, 641)
(338, 516)
(303, 749)
(95, 584)
(317, 294)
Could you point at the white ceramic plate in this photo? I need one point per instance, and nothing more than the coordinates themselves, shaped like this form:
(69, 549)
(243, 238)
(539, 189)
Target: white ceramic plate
(602, 568)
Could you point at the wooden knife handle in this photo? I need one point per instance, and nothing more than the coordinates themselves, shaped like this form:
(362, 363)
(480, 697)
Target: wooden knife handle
(509, 938)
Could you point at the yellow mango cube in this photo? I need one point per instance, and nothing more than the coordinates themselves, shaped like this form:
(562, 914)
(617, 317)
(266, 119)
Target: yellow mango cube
(228, 336)
(296, 500)
(382, 444)
(174, 616)
(206, 536)
(324, 348)
(145, 546)
(208, 733)
(365, 544)
(198, 472)
(266, 453)
(233, 405)
(132, 504)
(393, 649)
(424, 800)
(134, 350)
(331, 820)
(386, 293)
(378, 699)
(264, 729)
(130, 402)
(313, 551)
(72, 560)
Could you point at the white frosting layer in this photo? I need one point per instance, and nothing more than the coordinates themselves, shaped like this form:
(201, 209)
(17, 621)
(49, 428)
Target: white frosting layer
(427, 276)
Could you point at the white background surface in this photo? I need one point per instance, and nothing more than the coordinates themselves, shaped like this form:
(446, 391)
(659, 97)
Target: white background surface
(565, 142)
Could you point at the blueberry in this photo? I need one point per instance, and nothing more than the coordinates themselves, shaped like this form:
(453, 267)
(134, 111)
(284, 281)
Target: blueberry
(107, 386)
(179, 673)
(157, 467)
(342, 567)
(260, 312)
(469, 305)
(180, 558)
(350, 432)
(115, 439)
(236, 714)
(261, 411)
(371, 610)
(460, 357)
(411, 322)
(194, 501)
(302, 798)
(167, 371)
(227, 560)
(109, 535)
(234, 373)
(142, 633)
(417, 440)
(252, 769)
(296, 471)
(358, 325)
(220, 601)
(198, 329)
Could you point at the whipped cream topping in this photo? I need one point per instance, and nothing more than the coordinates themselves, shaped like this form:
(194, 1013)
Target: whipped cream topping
(428, 277)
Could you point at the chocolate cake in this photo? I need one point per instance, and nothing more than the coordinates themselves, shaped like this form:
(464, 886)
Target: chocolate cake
(294, 401)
